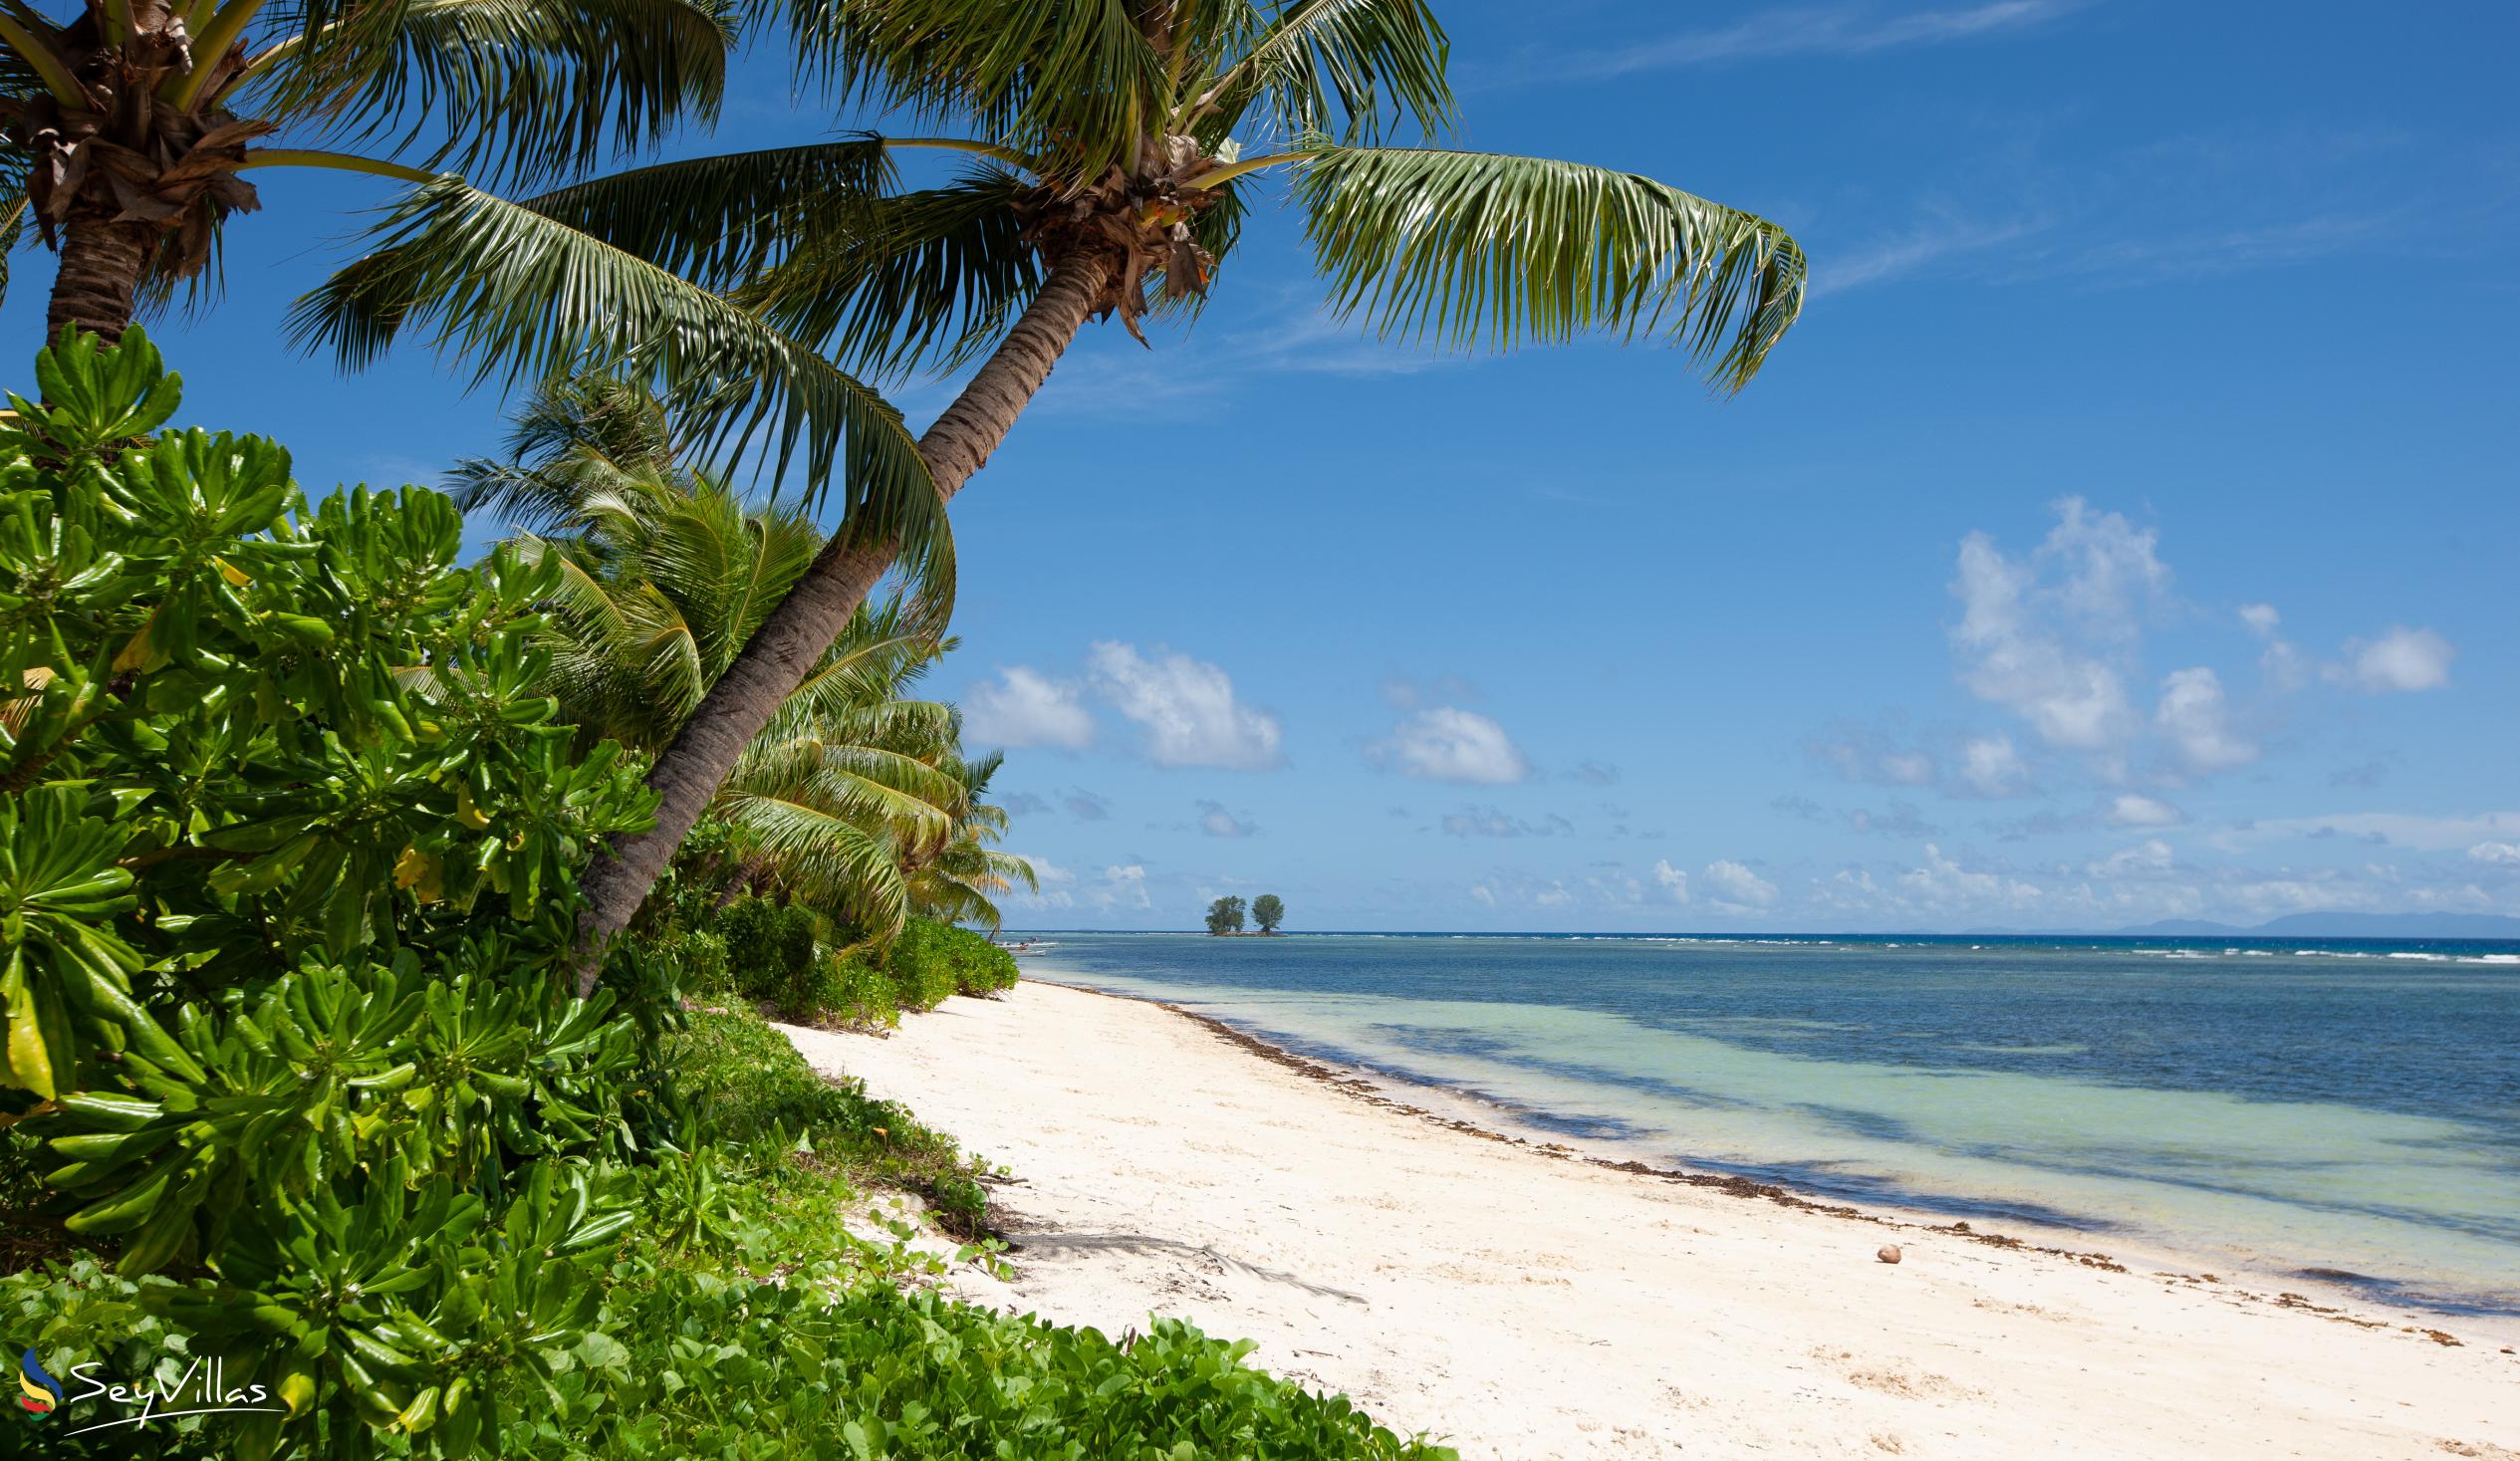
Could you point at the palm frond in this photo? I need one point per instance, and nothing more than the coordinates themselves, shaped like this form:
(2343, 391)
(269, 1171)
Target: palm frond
(1072, 80)
(931, 278)
(826, 860)
(1476, 248)
(718, 220)
(585, 447)
(619, 420)
(1349, 68)
(861, 671)
(526, 296)
(518, 88)
(12, 227)
(1013, 870)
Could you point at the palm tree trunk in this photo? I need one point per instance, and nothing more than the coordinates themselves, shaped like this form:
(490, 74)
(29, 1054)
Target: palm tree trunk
(101, 261)
(806, 622)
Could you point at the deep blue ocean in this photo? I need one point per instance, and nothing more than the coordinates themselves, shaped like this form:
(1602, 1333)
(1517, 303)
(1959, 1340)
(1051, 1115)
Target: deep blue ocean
(2337, 1106)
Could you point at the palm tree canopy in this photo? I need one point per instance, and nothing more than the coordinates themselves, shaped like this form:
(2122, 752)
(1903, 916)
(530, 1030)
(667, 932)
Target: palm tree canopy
(856, 799)
(1131, 133)
(139, 112)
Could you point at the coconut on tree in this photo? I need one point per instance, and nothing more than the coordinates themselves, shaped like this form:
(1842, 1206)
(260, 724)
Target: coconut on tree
(1110, 150)
(126, 125)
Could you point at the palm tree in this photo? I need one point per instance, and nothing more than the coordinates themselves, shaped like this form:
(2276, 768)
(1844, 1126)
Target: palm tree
(960, 880)
(847, 801)
(853, 790)
(1110, 149)
(129, 124)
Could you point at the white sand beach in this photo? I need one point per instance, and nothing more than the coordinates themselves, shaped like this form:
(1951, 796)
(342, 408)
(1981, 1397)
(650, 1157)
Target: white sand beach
(1522, 1303)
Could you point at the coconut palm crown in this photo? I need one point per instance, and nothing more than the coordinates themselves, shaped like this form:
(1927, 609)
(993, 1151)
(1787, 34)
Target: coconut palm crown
(1110, 151)
(126, 125)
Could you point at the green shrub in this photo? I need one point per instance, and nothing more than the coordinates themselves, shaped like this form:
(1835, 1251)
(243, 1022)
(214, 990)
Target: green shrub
(700, 962)
(747, 1083)
(695, 1364)
(931, 960)
(770, 952)
(289, 846)
(979, 966)
(857, 989)
(289, 840)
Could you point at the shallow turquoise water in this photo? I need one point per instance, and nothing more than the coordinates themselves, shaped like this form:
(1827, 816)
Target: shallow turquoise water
(2307, 1104)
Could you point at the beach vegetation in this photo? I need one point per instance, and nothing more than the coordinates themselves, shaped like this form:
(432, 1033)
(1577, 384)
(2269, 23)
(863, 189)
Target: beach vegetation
(1109, 155)
(1268, 911)
(1225, 915)
(298, 1082)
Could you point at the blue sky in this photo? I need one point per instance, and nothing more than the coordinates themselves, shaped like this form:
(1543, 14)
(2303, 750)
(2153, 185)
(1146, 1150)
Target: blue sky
(2128, 530)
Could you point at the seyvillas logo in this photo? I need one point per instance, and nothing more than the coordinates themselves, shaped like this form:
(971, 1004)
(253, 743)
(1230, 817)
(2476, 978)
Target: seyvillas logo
(203, 1389)
(43, 1393)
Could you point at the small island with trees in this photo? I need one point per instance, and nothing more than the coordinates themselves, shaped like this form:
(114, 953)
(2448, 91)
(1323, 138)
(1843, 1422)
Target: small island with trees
(1226, 915)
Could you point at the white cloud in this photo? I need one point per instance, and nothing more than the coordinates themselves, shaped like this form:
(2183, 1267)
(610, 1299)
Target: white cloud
(2134, 811)
(1731, 884)
(1945, 884)
(2504, 854)
(1938, 235)
(1121, 886)
(2051, 636)
(1673, 878)
(1215, 821)
(2284, 665)
(1878, 754)
(1990, 766)
(2402, 659)
(1188, 707)
(2197, 720)
(2151, 855)
(2281, 662)
(1831, 30)
(1055, 882)
(1025, 708)
(1447, 743)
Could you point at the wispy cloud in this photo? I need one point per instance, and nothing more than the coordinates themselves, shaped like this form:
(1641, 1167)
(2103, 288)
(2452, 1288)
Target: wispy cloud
(1932, 241)
(1838, 30)
(1114, 375)
(2213, 252)
(2197, 206)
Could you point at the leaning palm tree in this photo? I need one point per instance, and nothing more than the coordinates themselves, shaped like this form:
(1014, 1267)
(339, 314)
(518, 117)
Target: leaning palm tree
(1111, 150)
(665, 573)
(129, 123)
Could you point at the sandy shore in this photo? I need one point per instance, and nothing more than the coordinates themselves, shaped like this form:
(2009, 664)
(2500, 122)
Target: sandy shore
(1523, 1305)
